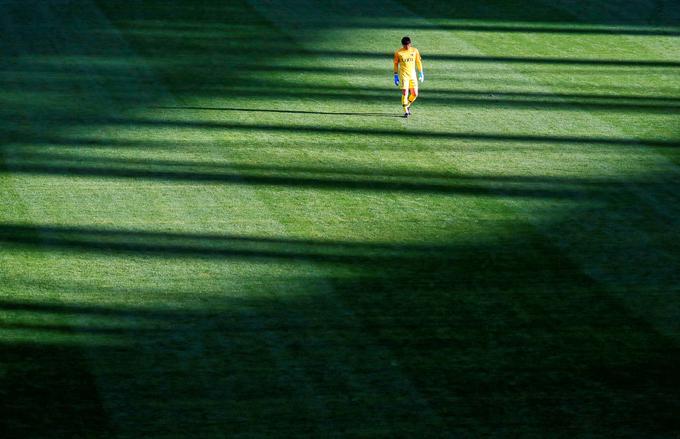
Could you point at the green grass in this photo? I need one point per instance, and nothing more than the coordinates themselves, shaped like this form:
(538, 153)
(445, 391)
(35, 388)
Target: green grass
(212, 224)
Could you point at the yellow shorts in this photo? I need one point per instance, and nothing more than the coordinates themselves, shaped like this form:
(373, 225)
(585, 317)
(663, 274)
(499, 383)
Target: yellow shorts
(406, 82)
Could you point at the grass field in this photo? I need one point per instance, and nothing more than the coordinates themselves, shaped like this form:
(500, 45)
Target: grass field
(213, 222)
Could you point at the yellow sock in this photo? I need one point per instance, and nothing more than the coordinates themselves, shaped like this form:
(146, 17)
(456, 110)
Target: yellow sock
(404, 100)
(411, 99)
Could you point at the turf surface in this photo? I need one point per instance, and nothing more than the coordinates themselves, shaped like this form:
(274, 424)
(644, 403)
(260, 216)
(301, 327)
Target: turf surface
(213, 222)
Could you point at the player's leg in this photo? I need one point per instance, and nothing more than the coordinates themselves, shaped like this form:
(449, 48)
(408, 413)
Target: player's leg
(404, 83)
(413, 92)
(404, 100)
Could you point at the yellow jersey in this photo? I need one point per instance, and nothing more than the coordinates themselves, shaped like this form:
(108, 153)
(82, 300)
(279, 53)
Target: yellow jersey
(406, 61)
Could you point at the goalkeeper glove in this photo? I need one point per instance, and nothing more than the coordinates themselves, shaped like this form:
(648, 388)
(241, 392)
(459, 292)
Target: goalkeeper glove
(396, 79)
(421, 76)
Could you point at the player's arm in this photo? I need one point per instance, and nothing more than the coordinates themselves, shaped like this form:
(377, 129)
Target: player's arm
(396, 69)
(419, 65)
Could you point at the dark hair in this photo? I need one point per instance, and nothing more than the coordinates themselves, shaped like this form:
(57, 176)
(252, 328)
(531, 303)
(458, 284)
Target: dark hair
(405, 41)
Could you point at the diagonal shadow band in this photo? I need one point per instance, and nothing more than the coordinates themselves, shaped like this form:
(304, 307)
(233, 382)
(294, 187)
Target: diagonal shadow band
(308, 177)
(535, 29)
(451, 135)
(173, 244)
(602, 62)
(32, 156)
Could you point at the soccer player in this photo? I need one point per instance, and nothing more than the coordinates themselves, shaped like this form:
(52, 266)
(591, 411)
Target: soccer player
(406, 60)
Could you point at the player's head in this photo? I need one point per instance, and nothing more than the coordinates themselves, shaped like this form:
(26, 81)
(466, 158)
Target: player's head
(406, 41)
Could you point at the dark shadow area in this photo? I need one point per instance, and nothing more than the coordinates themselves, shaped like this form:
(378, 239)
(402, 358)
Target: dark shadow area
(481, 338)
(64, 329)
(48, 389)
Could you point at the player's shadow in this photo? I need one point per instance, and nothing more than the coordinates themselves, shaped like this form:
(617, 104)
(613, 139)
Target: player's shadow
(263, 110)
